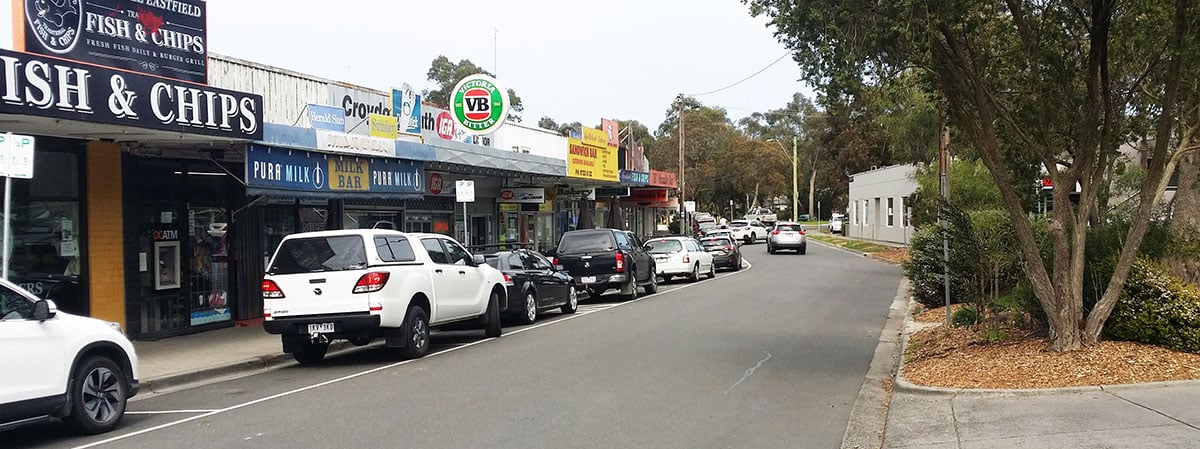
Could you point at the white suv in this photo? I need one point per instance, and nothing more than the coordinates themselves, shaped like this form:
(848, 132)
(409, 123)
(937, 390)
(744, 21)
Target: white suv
(77, 368)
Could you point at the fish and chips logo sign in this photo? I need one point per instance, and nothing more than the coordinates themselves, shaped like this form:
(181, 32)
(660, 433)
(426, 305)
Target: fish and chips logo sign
(55, 23)
(479, 104)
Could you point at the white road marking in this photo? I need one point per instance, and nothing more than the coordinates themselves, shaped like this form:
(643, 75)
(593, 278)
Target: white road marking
(393, 365)
(165, 412)
(749, 372)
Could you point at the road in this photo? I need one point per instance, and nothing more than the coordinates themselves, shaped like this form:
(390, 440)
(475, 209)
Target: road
(768, 357)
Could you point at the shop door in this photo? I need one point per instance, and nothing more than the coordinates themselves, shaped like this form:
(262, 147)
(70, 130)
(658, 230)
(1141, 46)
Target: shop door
(479, 231)
(208, 265)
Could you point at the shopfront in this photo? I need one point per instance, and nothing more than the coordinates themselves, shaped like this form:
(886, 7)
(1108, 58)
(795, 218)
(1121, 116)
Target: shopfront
(526, 217)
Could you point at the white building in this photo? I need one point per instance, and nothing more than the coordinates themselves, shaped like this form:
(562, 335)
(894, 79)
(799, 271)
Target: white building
(878, 206)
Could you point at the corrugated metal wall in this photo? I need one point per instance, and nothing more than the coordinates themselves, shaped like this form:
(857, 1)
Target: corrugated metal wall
(285, 93)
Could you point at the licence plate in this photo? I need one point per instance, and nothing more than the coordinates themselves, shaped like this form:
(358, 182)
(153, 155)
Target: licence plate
(588, 279)
(320, 328)
(660, 258)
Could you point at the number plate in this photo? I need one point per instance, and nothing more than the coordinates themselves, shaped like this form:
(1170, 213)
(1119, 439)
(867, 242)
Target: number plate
(320, 328)
(588, 279)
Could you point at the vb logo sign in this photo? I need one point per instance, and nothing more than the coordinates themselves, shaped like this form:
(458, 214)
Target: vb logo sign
(479, 104)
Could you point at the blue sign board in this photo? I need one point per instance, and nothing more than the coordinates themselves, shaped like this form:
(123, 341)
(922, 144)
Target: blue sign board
(330, 118)
(299, 170)
(635, 177)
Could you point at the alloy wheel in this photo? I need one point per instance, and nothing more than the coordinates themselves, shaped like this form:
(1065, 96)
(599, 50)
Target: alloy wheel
(101, 394)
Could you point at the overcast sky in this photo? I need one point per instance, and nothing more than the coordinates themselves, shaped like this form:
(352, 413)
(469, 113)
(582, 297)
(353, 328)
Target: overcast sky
(570, 60)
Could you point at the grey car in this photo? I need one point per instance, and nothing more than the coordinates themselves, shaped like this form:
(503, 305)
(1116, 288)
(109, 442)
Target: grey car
(787, 235)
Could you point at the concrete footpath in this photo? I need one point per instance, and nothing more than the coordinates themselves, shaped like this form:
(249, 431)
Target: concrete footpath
(1156, 415)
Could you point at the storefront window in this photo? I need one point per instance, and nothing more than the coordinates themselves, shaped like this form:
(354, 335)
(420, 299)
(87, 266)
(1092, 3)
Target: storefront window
(368, 219)
(209, 265)
(45, 251)
(314, 219)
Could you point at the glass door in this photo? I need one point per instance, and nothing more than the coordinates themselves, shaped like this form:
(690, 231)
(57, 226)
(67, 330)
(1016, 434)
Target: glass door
(208, 265)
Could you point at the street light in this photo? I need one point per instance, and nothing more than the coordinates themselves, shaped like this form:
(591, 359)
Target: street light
(795, 186)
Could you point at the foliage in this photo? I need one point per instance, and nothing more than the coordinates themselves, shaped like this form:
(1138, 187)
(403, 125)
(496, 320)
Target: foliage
(999, 264)
(1104, 244)
(1156, 309)
(971, 189)
(965, 316)
(925, 268)
(447, 74)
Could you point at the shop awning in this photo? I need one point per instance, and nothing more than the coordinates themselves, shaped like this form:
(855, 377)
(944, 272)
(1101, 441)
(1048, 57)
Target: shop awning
(292, 137)
(451, 152)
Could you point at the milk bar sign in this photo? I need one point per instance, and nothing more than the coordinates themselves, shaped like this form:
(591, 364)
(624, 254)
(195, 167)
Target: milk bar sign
(32, 85)
(166, 38)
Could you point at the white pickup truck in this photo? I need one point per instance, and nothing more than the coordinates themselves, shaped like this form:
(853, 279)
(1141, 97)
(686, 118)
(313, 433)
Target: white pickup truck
(362, 284)
(762, 214)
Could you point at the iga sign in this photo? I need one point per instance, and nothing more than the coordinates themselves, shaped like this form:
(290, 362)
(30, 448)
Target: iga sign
(52, 88)
(164, 38)
(529, 195)
(479, 104)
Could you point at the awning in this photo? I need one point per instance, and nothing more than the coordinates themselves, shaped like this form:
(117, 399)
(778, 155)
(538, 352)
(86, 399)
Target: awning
(292, 137)
(451, 152)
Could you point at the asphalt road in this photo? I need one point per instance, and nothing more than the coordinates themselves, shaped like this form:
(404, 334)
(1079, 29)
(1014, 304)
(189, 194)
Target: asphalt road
(768, 357)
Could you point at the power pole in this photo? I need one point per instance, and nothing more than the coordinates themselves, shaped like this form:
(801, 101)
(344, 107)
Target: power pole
(795, 185)
(682, 180)
(944, 189)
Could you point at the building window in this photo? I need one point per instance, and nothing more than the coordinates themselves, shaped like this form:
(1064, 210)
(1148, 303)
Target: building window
(853, 212)
(907, 210)
(891, 217)
(866, 213)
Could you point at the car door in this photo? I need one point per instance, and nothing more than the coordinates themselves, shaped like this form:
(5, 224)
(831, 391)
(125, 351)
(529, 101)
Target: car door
(552, 283)
(697, 252)
(469, 280)
(31, 350)
(645, 261)
(447, 294)
(624, 245)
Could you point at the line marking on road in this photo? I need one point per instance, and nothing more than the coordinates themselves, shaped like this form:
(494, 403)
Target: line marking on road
(387, 367)
(164, 412)
(749, 372)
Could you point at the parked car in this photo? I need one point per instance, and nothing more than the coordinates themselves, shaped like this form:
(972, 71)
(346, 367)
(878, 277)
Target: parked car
(725, 251)
(680, 256)
(787, 235)
(534, 284)
(80, 369)
(835, 224)
(705, 227)
(362, 284)
(604, 259)
(803, 217)
(762, 214)
(748, 231)
(720, 232)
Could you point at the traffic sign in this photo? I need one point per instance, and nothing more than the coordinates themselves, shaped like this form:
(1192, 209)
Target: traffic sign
(464, 191)
(16, 156)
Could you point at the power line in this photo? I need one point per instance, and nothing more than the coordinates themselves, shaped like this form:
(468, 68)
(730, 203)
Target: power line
(743, 79)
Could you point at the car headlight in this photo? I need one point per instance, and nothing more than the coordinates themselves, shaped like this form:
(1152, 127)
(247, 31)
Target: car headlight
(115, 326)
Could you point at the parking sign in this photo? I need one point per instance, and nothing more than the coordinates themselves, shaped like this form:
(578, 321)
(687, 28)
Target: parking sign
(16, 156)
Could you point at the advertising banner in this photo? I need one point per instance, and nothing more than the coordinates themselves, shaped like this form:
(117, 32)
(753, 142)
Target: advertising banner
(47, 87)
(590, 162)
(527, 195)
(355, 144)
(635, 177)
(327, 118)
(383, 126)
(166, 38)
(406, 106)
(612, 129)
(358, 105)
(594, 137)
(574, 194)
(479, 104)
(649, 195)
(663, 179)
(612, 191)
(315, 172)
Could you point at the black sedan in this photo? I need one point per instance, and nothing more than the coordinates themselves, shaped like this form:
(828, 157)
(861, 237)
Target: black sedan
(726, 253)
(534, 284)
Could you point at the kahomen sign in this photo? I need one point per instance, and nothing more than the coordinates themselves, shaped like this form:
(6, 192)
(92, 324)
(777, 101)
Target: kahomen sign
(479, 104)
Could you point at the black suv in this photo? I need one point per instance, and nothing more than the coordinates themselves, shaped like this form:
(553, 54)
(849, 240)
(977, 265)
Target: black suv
(604, 259)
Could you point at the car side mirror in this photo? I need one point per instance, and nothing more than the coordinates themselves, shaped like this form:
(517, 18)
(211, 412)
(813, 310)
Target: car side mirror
(559, 268)
(44, 309)
(477, 260)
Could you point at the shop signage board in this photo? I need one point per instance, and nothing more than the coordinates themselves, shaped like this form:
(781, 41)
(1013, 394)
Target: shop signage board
(298, 170)
(382, 126)
(47, 87)
(479, 104)
(527, 195)
(663, 179)
(612, 191)
(358, 105)
(406, 107)
(635, 177)
(166, 38)
(612, 130)
(355, 144)
(648, 195)
(326, 118)
(592, 162)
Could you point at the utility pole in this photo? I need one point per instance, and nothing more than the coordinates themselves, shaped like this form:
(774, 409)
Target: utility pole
(795, 185)
(944, 189)
(496, 52)
(682, 180)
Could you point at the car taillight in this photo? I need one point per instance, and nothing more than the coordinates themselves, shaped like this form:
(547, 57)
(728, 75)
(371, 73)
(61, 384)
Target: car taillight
(686, 259)
(371, 282)
(801, 232)
(747, 228)
(620, 262)
(775, 232)
(729, 248)
(270, 290)
(555, 261)
(508, 280)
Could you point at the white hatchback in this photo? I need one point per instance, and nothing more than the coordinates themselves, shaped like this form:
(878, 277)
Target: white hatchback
(748, 231)
(680, 256)
(80, 369)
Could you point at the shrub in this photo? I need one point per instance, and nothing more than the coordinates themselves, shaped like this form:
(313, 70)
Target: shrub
(965, 316)
(1156, 309)
(925, 268)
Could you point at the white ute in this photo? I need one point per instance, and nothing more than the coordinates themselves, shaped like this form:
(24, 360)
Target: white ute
(362, 284)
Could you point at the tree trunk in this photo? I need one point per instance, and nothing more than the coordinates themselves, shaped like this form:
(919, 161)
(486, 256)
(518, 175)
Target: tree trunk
(1185, 220)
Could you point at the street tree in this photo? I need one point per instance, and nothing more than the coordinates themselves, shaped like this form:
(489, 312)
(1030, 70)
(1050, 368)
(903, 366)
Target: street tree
(1060, 84)
(446, 74)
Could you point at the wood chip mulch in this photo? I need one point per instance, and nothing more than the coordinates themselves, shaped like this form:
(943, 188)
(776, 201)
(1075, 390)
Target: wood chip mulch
(893, 256)
(962, 358)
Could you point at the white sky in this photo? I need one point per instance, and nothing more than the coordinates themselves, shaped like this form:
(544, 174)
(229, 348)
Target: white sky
(570, 60)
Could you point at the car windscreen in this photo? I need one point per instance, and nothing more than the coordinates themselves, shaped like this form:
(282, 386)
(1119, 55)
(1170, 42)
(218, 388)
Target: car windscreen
(794, 228)
(316, 254)
(493, 260)
(707, 225)
(663, 246)
(716, 243)
(738, 223)
(583, 242)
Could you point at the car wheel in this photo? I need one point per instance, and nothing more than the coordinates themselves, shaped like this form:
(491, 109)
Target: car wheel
(770, 249)
(530, 314)
(98, 396)
(738, 264)
(695, 274)
(416, 333)
(492, 329)
(633, 287)
(653, 287)
(749, 239)
(712, 271)
(803, 248)
(311, 354)
(572, 301)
